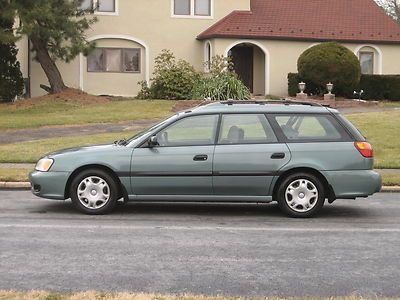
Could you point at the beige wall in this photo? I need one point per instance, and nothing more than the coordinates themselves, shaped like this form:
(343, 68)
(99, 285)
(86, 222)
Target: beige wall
(22, 55)
(282, 56)
(258, 72)
(148, 24)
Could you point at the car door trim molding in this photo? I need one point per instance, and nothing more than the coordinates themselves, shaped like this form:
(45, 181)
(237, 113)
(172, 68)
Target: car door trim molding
(198, 174)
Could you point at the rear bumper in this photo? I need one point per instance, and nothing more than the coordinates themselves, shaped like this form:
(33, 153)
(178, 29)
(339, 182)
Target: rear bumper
(49, 185)
(354, 183)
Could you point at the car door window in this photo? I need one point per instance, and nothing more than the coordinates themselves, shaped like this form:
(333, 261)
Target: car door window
(190, 131)
(246, 129)
(303, 127)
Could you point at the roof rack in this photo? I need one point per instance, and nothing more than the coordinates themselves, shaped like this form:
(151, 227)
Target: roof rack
(263, 102)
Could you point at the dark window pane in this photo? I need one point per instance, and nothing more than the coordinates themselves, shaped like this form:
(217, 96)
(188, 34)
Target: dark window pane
(113, 60)
(131, 62)
(197, 130)
(367, 62)
(86, 5)
(202, 7)
(301, 127)
(106, 5)
(246, 129)
(95, 61)
(182, 7)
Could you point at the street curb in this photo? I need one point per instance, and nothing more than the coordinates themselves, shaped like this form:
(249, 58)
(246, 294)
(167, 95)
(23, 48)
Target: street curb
(5, 185)
(27, 186)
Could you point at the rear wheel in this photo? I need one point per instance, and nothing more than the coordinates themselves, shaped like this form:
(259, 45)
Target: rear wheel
(94, 192)
(301, 195)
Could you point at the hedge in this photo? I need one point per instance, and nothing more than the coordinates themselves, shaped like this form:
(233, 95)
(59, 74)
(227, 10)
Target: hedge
(380, 87)
(376, 87)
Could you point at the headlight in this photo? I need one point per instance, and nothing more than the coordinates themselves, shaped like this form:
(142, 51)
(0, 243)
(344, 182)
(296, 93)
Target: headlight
(44, 164)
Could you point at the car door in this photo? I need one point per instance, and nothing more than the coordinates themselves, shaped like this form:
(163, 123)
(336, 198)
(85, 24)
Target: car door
(247, 156)
(181, 163)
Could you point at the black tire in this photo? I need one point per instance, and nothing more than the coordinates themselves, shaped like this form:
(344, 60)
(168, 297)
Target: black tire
(302, 184)
(108, 191)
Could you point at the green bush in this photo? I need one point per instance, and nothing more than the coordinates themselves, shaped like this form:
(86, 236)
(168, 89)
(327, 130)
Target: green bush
(380, 87)
(329, 62)
(11, 82)
(221, 83)
(179, 80)
(173, 79)
(293, 84)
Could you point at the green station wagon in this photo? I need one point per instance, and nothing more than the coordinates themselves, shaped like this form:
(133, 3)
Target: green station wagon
(298, 154)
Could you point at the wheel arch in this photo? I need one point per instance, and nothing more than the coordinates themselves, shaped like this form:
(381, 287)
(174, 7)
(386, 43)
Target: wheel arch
(330, 194)
(122, 191)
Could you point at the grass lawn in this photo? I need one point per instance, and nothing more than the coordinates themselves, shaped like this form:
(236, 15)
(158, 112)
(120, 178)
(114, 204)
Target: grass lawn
(31, 151)
(41, 295)
(381, 129)
(21, 175)
(50, 112)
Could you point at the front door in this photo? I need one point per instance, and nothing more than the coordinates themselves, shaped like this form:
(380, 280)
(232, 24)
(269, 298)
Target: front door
(247, 156)
(242, 58)
(182, 162)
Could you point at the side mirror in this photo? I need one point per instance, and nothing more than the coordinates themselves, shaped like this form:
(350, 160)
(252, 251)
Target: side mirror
(153, 141)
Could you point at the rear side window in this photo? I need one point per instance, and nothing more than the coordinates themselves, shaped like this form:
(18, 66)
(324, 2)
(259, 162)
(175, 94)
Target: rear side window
(298, 127)
(246, 129)
(353, 130)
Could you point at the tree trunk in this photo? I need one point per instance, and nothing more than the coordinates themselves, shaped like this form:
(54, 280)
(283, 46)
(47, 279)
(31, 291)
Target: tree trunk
(49, 67)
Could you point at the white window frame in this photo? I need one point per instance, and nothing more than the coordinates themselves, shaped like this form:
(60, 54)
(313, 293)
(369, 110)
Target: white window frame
(106, 13)
(121, 71)
(208, 56)
(192, 11)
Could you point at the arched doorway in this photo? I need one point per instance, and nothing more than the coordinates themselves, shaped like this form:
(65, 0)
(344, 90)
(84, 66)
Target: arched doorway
(251, 63)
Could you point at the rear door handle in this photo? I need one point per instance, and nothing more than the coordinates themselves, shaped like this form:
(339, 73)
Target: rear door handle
(200, 157)
(278, 156)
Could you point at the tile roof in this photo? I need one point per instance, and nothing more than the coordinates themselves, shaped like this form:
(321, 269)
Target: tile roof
(322, 20)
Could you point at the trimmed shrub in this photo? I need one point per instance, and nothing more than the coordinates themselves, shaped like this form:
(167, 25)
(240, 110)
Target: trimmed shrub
(380, 87)
(221, 83)
(329, 62)
(293, 84)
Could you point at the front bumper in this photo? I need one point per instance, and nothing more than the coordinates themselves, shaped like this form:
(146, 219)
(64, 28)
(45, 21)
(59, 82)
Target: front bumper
(354, 183)
(49, 185)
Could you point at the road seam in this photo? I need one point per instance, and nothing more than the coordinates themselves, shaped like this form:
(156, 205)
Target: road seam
(202, 228)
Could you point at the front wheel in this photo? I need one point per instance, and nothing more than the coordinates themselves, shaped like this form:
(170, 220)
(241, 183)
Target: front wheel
(301, 195)
(94, 192)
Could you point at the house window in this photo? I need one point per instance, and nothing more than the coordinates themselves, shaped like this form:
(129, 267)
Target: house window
(106, 5)
(207, 57)
(367, 62)
(182, 7)
(202, 7)
(192, 8)
(114, 60)
(87, 5)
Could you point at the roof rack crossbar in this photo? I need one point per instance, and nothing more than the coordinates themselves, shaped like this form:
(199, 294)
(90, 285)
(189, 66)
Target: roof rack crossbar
(262, 102)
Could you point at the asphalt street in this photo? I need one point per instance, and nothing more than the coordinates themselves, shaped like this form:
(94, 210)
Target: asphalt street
(352, 248)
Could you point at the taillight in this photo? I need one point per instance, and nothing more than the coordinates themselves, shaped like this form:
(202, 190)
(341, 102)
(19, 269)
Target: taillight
(365, 149)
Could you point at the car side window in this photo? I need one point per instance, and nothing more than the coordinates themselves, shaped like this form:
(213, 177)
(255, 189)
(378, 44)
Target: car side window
(190, 131)
(245, 129)
(306, 127)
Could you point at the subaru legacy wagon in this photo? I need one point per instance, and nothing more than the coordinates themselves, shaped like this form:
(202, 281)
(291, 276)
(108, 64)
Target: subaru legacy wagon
(298, 154)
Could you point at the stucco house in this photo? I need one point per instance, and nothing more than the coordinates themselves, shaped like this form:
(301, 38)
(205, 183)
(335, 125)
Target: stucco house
(264, 38)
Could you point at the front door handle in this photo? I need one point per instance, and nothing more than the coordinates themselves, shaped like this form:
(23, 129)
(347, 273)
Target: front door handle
(200, 157)
(278, 156)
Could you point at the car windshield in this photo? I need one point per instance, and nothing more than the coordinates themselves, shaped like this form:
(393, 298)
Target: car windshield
(154, 127)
